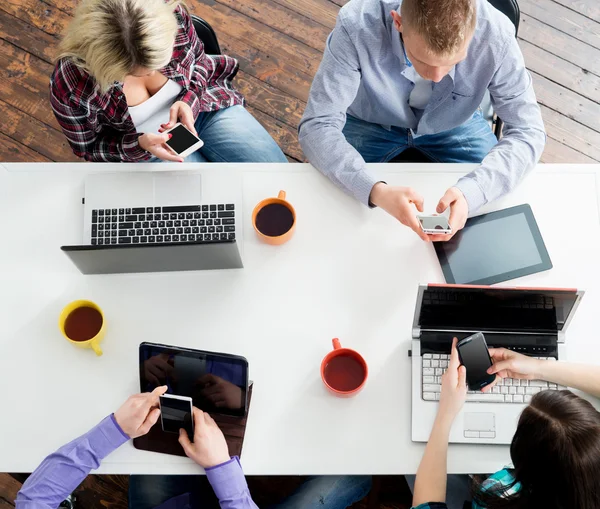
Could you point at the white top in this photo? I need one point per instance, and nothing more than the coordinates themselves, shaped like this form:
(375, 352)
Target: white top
(149, 115)
(348, 272)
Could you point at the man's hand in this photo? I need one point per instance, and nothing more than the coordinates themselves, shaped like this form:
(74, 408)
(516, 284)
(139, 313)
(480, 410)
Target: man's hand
(180, 112)
(398, 202)
(509, 364)
(158, 368)
(209, 448)
(459, 211)
(454, 387)
(140, 412)
(155, 144)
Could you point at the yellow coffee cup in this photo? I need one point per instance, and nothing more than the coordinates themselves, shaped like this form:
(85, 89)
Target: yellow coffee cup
(82, 323)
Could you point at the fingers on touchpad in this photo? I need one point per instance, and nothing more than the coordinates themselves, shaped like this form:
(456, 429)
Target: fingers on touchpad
(479, 425)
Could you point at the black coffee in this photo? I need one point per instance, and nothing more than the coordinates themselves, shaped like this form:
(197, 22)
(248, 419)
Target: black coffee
(274, 220)
(83, 324)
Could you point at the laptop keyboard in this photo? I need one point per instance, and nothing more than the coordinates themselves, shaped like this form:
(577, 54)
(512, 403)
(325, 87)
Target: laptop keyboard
(507, 390)
(159, 225)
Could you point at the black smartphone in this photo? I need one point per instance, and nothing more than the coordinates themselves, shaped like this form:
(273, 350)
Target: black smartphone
(176, 413)
(474, 355)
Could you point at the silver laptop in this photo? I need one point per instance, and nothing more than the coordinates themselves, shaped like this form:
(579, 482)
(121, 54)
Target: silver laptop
(159, 221)
(530, 321)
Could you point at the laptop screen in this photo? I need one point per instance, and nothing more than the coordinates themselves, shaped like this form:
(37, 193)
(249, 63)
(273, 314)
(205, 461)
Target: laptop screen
(494, 309)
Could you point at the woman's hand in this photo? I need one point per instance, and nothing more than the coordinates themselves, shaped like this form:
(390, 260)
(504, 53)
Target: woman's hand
(509, 364)
(140, 412)
(180, 112)
(155, 144)
(454, 387)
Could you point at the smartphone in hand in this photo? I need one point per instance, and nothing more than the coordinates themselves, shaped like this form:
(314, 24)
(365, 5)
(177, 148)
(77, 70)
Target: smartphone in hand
(183, 142)
(176, 413)
(435, 225)
(475, 357)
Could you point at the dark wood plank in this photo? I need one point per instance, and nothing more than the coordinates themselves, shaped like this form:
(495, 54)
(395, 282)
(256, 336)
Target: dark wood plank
(560, 71)
(320, 11)
(282, 19)
(270, 100)
(563, 19)
(285, 136)
(556, 152)
(26, 36)
(66, 6)
(12, 151)
(103, 491)
(559, 44)
(37, 14)
(589, 8)
(231, 23)
(34, 134)
(268, 68)
(570, 104)
(9, 487)
(571, 133)
(24, 82)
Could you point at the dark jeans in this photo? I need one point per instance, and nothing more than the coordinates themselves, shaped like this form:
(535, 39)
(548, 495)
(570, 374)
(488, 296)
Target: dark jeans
(320, 492)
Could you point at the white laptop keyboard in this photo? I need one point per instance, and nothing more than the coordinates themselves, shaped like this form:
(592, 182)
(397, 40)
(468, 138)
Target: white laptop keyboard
(507, 390)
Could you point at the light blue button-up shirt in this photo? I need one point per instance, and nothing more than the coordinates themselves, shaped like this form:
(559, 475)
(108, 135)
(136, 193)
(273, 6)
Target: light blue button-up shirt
(365, 73)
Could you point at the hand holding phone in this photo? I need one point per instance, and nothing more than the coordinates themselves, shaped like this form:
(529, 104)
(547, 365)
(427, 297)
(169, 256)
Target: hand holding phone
(210, 447)
(182, 142)
(176, 413)
(139, 413)
(475, 357)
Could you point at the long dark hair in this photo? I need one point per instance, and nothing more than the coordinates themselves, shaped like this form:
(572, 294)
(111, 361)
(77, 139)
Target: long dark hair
(556, 457)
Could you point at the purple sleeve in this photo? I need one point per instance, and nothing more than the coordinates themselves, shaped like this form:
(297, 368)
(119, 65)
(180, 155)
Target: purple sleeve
(229, 484)
(61, 472)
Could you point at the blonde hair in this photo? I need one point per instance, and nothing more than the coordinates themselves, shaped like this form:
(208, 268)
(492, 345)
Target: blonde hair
(110, 39)
(445, 25)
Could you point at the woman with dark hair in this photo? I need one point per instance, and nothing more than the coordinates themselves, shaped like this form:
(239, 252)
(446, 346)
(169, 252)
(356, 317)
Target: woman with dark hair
(555, 451)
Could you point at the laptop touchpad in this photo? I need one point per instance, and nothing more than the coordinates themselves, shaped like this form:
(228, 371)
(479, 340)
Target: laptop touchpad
(480, 425)
(177, 189)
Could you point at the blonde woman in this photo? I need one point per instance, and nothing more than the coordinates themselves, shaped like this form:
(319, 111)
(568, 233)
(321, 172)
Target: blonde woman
(129, 69)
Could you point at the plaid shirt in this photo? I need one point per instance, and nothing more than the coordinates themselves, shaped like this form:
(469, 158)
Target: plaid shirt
(500, 479)
(98, 126)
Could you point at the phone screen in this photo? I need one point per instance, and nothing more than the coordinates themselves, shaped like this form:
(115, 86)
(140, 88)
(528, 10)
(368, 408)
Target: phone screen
(434, 222)
(475, 357)
(176, 414)
(182, 139)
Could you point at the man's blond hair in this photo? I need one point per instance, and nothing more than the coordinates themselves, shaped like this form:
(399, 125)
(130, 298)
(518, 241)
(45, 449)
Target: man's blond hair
(445, 25)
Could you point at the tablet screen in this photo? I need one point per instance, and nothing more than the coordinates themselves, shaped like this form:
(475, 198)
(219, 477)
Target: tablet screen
(494, 247)
(215, 382)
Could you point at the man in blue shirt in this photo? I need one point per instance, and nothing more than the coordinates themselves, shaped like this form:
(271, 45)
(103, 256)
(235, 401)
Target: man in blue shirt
(413, 73)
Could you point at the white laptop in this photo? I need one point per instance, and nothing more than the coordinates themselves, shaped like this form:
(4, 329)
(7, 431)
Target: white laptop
(532, 321)
(159, 221)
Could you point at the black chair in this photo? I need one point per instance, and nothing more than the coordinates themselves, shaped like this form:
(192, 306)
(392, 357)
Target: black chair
(510, 8)
(207, 35)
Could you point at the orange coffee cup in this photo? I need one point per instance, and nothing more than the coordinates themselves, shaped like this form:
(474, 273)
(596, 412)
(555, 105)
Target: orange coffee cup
(273, 224)
(343, 371)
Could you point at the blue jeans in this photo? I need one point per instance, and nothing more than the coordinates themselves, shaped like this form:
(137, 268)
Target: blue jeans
(232, 135)
(322, 492)
(458, 489)
(467, 143)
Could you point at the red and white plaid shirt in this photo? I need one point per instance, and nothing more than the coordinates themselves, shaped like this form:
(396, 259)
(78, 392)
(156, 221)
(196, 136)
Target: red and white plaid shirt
(98, 126)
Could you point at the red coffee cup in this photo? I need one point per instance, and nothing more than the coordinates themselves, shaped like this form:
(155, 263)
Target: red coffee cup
(343, 371)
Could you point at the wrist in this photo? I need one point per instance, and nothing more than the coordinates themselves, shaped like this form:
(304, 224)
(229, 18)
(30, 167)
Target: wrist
(443, 421)
(377, 193)
(216, 461)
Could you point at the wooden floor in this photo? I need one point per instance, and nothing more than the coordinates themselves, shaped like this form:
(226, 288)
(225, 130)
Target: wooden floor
(279, 45)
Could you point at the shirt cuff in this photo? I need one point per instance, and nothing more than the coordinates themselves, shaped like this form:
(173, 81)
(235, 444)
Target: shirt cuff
(362, 187)
(472, 192)
(227, 479)
(106, 437)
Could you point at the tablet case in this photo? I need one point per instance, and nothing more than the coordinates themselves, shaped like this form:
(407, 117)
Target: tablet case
(234, 429)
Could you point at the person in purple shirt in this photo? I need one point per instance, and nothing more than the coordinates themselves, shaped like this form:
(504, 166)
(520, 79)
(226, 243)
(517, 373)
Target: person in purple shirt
(61, 472)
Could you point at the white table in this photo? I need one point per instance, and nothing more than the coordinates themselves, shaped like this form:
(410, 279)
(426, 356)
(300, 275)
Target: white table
(348, 272)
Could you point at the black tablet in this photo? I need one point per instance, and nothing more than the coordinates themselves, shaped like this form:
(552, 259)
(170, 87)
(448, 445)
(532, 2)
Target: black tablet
(494, 247)
(216, 382)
